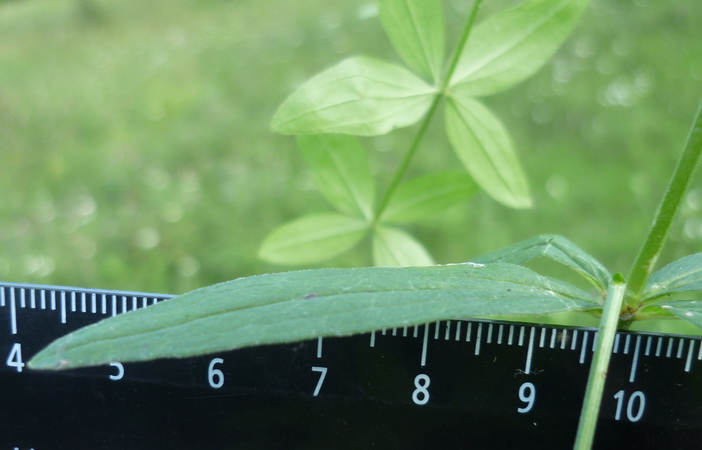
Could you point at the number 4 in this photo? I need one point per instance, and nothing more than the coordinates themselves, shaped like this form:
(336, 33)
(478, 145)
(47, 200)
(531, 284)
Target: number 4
(15, 357)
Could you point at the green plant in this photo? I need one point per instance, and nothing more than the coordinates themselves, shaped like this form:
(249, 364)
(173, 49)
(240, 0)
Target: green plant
(300, 305)
(369, 97)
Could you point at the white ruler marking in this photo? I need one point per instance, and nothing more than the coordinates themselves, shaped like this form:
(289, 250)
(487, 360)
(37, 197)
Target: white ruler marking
(469, 331)
(530, 352)
(448, 331)
(63, 306)
(669, 352)
(510, 338)
(500, 331)
(372, 339)
(542, 338)
(627, 341)
(32, 299)
(616, 344)
(319, 347)
(553, 338)
(424, 345)
(574, 342)
(564, 339)
(690, 351)
(681, 347)
(488, 339)
(648, 346)
(477, 338)
(458, 330)
(521, 336)
(22, 301)
(583, 348)
(635, 359)
(13, 312)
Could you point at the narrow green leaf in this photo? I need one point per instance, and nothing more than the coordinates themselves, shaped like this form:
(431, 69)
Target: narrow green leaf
(558, 249)
(341, 170)
(510, 46)
(416, 30)
(395, 248)
(295, 306)
(683, 275)
(428, 195)
(485, 149)
(361, 96)
(688, 310)
(312, 238)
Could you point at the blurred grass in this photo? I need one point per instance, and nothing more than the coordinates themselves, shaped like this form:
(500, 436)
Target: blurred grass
(135, 151)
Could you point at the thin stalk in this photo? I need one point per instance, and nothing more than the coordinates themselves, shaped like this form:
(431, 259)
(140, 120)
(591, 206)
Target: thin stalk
(600, 362)
(679, 184)
(404, 165)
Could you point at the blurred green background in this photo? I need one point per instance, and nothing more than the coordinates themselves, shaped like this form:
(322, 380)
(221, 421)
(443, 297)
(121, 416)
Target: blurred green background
(135, 152)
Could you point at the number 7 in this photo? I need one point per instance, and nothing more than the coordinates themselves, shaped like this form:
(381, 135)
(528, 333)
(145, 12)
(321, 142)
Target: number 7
(322, 374)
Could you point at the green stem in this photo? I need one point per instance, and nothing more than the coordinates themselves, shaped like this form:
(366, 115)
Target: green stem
(600, 362)
(402, 170)
(679, 183)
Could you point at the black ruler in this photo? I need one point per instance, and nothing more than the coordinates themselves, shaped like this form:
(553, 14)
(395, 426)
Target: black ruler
(456, 384)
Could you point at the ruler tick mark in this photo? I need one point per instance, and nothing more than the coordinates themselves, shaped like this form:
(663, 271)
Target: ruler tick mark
(627, 341)
(635, 359)
(586, 335)
(13, 312)
(574, 342)
(448, 331)
(616, 343)
(500, 329)
(424, 344)
(669, 351)
(691, 349)
(458, 330)
(63, 306)
(488, 340)
(510, 338)
(658, 347)
(319, 347)
(404, 331)
(477, 338)
(681, 347)
(32, 299)
(42, 299)
(469, 331)
(648, 346)
(564, 339)
(553, 338)
(542, 338)
(530, 352)
(372, 339)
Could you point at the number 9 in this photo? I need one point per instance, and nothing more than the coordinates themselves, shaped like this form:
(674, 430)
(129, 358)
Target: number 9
(527, 394)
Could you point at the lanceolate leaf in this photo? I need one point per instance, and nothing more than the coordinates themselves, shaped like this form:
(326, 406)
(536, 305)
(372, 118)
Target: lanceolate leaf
(312, 239)
(428, 195)
(416, 29)
(340, 168)
(512, 45)
(689, 310)
(556, 248)
(483, 145)
(294, 306)
(361, 96)
(395, 248)
(683, 275)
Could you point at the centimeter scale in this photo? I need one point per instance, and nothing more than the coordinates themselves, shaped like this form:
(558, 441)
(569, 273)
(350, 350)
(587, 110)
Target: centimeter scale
(455, 384)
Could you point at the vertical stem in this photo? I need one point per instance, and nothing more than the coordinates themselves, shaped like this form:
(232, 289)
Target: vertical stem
(679, 183)
(600, 362)
(402, 170)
